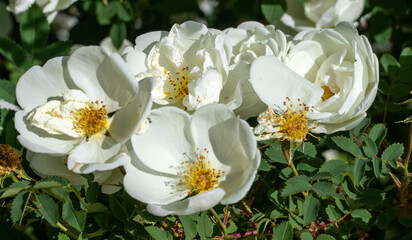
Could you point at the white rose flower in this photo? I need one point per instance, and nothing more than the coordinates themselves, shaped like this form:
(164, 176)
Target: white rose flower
(49, 7)
(191, 64)
(191, 163)
(251, 40)
(321, 13)
(84, 106)
(333, 72)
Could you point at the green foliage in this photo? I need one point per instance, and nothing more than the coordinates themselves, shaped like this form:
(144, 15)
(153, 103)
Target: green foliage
(283, 232)
(273, 10)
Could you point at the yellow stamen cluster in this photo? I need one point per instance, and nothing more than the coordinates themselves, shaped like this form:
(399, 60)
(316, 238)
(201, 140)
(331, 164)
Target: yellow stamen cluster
(179, 82)
(91, 119)
(200, 176)
(327, 93)
(294, 123)
(9, 158)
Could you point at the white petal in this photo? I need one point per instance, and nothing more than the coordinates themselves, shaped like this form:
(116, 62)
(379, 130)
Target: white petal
(38, 140)
(198, 203)
(38, 84)
(146, 41)
(151, 187)
(136, 61)
(273, 81)
(126, 120)
(167, 141)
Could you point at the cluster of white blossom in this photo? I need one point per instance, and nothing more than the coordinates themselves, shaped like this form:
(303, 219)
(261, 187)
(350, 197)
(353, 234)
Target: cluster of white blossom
(169, 111)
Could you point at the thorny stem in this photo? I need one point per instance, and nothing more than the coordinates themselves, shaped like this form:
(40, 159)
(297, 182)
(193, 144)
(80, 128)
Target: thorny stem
(408, 153)
(248, 210)
(220, 222)
(288, 159)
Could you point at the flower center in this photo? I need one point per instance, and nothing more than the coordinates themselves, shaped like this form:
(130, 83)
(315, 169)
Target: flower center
(9, 158)
(294, 123)
(200, 176)
(178, 83)
(91, 119)
(327, 93)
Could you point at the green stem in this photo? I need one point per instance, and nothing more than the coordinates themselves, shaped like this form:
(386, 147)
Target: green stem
(288, 159)
(67, 231)
(248, 210)
(169, 229)
(220, 222)
(24, 208)
(408, 154)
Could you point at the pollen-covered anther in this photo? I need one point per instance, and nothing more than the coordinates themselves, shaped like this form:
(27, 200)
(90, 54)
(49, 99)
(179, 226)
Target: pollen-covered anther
(10, 158)
(199, 176)
(91, 119)
(178, 82)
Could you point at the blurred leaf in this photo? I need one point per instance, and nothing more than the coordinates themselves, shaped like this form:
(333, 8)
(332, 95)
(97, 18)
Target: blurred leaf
(34, 29)
(399, 92)
(262, 224)
(273, 10)
(310, 209)
(392, 153)
(107, 12)
(264, 166)
(389, 64)
(117, 209)
(123, 14)
(189, 226)
(372, 197)
(359, 169)
(158, 233)
(48, 209)
(362, 125)
(283, 232)
(349, 188)
(405, 59)
(8, 91)
(15, 188)
(97, 207)
(342, 205)
(378, 133)
(296, 184)
(332, 213)
(334, 167)
(325, 237)
(361, 214)
(15, 54)
(76, 218)
(56, 49)
(204, 226)
(118, 34)
(406, 221)
(16, 210)
(380, 27)
(347, 145)
(92, 191)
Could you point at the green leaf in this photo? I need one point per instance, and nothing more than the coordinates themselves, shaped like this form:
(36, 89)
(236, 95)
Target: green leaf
(334, 167)
(377, 166)
(405, 59)
(97, 207)
(342, 205)
(118, 34)
(204, 226)
(34, 29)
(373, 197)
(63, 236)
(273, 10)
(8, 91)
(296, 184)
(325, 188)
(361, 126)
(158, 233)
(275, 153)
(361, 214)
(261, 226)
(370, 149)
(359, 170)
(347, 145)
(45, 183)
(264, 165)
(123, 14)
(392, 153)
(306, 236)
(390, 64)
(333, 213)
(16, 210)
(283, 232)
(378, 133)
(117, 209)
(107, 12)
(349, 188)
(76, 218)
(55, 49)
(48, 209)
(310, 209)
(15, 188)
(308, 149)
(92, 191)
(325, 237)
(15, 54)
(189, 226)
